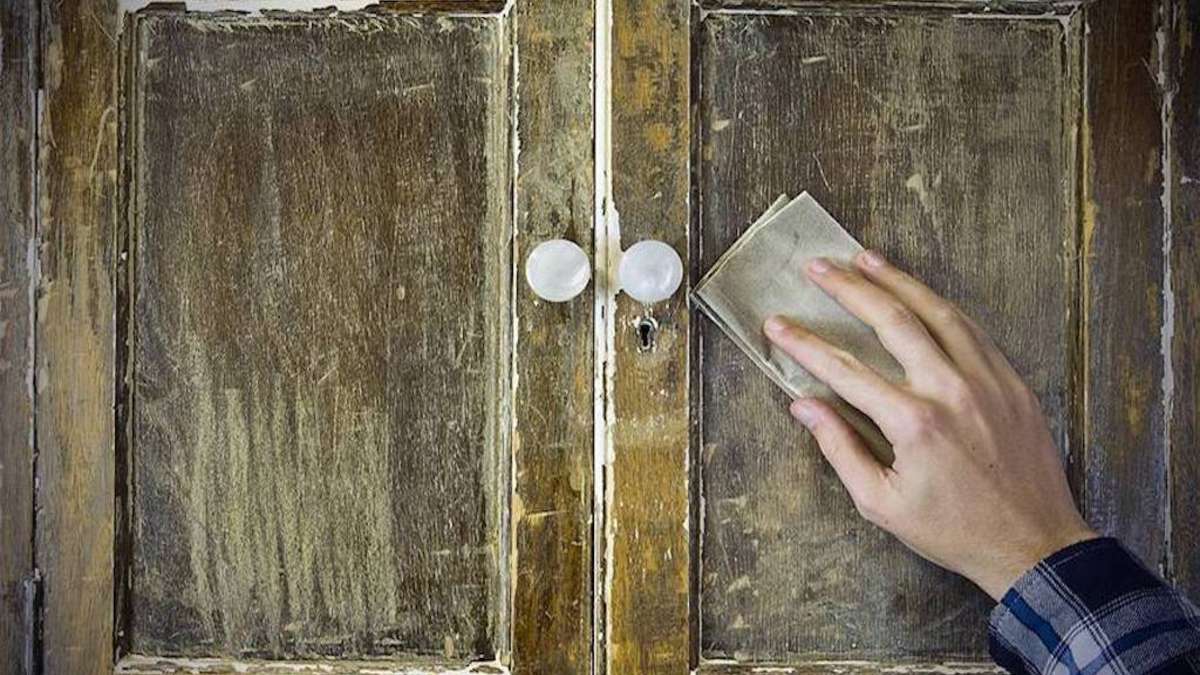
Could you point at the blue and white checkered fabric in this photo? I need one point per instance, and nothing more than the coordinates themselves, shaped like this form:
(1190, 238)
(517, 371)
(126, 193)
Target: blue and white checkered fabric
(1092, 608)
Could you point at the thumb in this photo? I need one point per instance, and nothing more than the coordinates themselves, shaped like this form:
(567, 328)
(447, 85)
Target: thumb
(862, 474)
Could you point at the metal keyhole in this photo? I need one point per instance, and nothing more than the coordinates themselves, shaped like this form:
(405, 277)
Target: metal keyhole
(647, 328)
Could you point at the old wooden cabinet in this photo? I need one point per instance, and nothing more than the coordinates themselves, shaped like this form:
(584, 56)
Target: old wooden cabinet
(276, 396)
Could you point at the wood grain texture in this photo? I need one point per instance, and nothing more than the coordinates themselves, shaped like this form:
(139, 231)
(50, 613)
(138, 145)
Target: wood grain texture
(74, 399)
(157, 665)
(946, 144)
(1026, 7)
(1122, 258)
(1184, 64)
(18, 90)
(554, 361)
(851, 668)
(649, 562)
(321, 335)
(451, 6)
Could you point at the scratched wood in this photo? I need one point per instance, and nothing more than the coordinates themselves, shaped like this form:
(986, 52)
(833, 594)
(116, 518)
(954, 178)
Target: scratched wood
(74, 398)
(1122, 367)
(850, 668)
(1184, 64)
(554, 360)
(411, 6)
(18, 63)
(321, 335)
(649, 570)
(1027, 7)
(921, 136)
(157, 665)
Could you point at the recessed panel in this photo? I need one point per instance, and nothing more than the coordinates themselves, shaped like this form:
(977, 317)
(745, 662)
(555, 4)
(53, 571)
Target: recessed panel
(321, 303)
(947, 143)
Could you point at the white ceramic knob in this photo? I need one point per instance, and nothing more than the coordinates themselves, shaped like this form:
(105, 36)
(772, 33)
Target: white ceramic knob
(650, 271)
(557, 270)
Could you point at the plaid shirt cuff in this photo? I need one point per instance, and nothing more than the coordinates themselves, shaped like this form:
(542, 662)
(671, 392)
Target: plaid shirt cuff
(1093, 608)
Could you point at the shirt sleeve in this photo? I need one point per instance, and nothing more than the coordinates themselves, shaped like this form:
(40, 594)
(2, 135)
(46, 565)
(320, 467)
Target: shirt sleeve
(1093, 608)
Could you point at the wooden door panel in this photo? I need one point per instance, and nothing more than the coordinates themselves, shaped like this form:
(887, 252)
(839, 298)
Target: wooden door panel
(1017, 156)
(943, 143)
(321, 335)
(281, 246)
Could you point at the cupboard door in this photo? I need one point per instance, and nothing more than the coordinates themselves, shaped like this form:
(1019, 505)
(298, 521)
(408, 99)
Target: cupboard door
(343, 431)
(319, 330)
(920, 135)
(1015, 161)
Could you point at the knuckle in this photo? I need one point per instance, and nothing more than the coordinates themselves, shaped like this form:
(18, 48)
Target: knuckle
(923, 419)
(947, 314)
(959, 394)
(842, 360)
(899, 317)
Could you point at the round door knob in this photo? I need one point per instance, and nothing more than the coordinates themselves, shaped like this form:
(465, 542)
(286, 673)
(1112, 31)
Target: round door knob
(557, 270)
(650, 271)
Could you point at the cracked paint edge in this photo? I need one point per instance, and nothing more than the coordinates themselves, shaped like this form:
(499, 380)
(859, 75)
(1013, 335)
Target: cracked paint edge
(1167, 332)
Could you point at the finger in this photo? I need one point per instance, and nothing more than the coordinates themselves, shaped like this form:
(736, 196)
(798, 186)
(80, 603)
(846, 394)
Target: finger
(864, 477)
(860, 386)
(965, 343)
(898, 327)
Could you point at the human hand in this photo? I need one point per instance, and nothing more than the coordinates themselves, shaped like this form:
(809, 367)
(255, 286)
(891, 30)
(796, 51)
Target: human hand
(977, 485)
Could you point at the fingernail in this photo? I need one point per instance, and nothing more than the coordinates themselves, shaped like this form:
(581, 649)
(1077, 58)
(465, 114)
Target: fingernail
(819, 266)
(775, 325)
(871, 259)
(803, 411)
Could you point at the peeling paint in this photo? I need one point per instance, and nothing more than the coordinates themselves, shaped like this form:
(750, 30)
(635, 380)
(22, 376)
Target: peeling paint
(606, 233)
(958, 9)
(516, 508)
(1167, 336)
(257, 7)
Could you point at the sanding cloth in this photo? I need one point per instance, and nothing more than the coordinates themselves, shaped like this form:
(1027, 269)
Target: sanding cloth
(762, 274)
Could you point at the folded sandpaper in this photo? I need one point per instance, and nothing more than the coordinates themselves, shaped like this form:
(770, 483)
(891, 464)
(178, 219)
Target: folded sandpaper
(762, 274)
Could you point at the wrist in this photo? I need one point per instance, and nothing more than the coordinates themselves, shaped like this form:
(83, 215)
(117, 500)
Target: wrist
(1017, 560)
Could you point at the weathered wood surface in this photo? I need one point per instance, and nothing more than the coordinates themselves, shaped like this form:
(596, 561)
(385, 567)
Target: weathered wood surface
(409, 6)
(18, 90)
(321, 335)
(157, 665)
(649, 566)
(921, 136)
(1123, 491)
(1025, 7)
(75, 334)
(850, 668)
(554, 360)
(1184, 67)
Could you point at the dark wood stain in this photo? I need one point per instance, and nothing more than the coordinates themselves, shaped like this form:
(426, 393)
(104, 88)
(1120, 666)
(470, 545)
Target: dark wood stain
(554, 360)
(321, 335)
(18, 89)
(946, 144)
(1184, 64)
(1122, 266)
(75, 334)
(650, 565)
